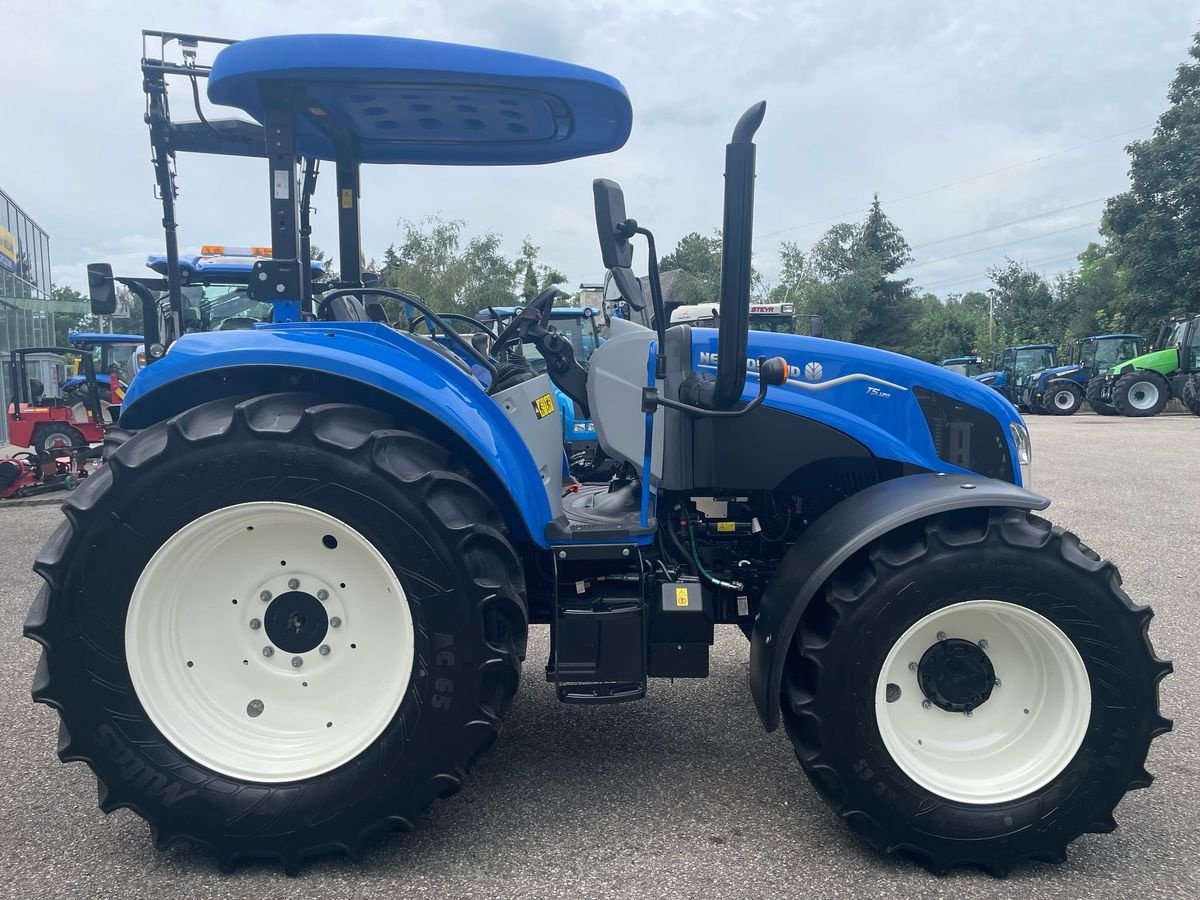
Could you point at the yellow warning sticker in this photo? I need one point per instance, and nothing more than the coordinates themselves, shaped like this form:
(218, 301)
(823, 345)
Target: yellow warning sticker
(681, 596)
(726, 526)
(543, 405)
(347, 198)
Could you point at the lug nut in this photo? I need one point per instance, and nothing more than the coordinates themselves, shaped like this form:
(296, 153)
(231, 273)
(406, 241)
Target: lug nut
(996, 682)
(268, 651)
(335, 622)
(912, 667)
(297, 662)
(293, 583)
(967, 713)
(983, 645)
(941, 635)
(264, 596)
(255, 624)
(322, 595)
(324, 651)
(926, 704)
(254, 708)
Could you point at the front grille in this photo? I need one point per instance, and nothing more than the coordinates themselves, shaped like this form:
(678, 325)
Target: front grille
(965, 436)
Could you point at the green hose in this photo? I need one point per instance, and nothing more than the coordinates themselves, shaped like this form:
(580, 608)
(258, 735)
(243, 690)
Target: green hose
(731, 585)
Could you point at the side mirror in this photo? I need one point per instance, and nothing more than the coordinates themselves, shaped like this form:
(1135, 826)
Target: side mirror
(614, 230)
(102, 289)
(816, 327)
(615, 249)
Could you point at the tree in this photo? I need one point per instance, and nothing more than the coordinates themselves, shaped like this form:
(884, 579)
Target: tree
(431, 263)
(1154, 227)
(894, 307)
(700, 257)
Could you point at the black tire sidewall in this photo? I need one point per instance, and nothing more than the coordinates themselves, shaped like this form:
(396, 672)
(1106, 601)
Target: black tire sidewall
(423, 738)
(43, 434)
(1126, 382)
(1091, 783)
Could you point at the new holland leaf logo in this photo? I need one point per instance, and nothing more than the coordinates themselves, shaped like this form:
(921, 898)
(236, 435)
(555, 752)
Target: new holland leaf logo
(813, 371)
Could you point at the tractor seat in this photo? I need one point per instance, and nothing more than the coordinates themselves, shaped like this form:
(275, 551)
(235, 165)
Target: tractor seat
(346, 309)
(36, 390)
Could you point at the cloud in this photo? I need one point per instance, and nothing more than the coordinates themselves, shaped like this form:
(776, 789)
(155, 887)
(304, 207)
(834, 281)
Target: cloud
(874, 96)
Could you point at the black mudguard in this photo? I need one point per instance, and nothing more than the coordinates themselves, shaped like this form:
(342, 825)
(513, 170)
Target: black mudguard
(839, 533)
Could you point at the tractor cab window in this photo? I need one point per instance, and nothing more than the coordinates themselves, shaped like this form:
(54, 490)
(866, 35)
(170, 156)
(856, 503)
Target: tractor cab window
(1006, 360)
(1190, 357)
(1109, 353)
(1175, 337)
(1031, 360)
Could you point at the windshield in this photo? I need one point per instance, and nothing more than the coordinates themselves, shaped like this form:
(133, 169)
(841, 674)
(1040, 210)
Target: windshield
(1111, 352)
(1175, 338)
(1032, 360)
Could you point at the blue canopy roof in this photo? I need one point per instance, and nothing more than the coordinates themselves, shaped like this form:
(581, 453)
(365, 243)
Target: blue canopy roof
(410, 101)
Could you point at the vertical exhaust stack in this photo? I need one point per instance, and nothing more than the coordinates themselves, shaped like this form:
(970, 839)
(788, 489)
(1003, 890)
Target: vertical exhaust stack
(737, 242)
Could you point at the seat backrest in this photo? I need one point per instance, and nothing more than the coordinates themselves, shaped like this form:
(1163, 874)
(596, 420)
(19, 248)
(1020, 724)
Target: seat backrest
(347, 309)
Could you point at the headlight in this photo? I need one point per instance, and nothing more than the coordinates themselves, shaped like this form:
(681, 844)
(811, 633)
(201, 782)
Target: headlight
(583, 427)
(1024, 452)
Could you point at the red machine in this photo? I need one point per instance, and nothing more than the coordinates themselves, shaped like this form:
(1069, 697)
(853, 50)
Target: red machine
(51, 425)
(27, 474)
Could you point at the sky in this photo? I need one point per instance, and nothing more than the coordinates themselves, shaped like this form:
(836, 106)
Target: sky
(987, 129)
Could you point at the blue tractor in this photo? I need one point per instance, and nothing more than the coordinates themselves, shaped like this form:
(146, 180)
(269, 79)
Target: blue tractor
(1017, 363)
(292, 608)
(1061, 390)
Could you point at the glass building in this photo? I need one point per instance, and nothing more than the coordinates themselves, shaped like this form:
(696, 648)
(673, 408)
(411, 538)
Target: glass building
(26, 310)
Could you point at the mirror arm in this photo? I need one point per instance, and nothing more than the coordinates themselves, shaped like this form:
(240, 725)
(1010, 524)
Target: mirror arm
(656, 299)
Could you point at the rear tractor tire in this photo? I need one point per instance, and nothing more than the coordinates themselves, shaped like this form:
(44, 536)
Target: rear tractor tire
(1063, 399)
(1141, 394)
(278, 627)
(1099, 406)
(974, 689)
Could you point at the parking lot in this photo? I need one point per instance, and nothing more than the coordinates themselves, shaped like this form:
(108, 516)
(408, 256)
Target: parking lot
(683, 794)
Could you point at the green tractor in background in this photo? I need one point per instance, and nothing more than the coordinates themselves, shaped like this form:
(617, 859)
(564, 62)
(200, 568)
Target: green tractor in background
(1142, 386)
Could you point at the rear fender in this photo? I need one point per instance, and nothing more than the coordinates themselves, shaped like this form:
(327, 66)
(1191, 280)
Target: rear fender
(365, 363)
(834, 538)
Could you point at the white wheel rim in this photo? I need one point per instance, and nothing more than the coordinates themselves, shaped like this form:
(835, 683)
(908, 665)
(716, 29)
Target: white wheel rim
(1143, 395)
(1016, 741)
(1064, 399)
(197, 659)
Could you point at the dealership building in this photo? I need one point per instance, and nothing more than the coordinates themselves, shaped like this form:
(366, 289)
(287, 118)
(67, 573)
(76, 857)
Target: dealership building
(26, 310)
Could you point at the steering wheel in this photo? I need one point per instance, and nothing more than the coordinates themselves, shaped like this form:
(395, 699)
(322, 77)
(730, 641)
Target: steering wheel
(536, 311)
(449, 317)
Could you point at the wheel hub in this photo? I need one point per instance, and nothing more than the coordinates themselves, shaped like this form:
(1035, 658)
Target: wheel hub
(296, 622)
(956, 675)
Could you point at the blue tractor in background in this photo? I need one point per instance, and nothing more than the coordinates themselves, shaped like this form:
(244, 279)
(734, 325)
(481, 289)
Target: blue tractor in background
(1061, 390)
(964, 365)
(1017, 363)
(292, 608)
(580, 326)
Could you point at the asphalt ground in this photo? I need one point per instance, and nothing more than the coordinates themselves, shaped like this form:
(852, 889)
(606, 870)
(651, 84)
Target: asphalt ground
(681, 795)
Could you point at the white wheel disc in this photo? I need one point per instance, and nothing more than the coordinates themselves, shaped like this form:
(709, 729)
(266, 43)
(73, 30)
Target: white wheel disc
(1016, 740)
(276, 689)
(1143, 395)
(1064, 399)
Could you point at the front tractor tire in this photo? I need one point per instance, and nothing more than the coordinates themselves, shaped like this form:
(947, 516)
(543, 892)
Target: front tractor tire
(974, 689)
(1063, 399)
(1099, 405)
(1141, 394)
(1190, 395)
(278, 627)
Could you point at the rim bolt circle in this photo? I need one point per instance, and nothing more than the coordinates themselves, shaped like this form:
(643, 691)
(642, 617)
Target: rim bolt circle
(265, 596)
(983, 645)
(941, 635)
(255, 624)
(926, 704)
(322, 595)
(324, 651)
(335, 622)
(293, 583)
(297, 662)
(268, 651)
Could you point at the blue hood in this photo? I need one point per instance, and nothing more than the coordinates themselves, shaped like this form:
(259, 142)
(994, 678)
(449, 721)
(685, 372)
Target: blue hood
(863, 392)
